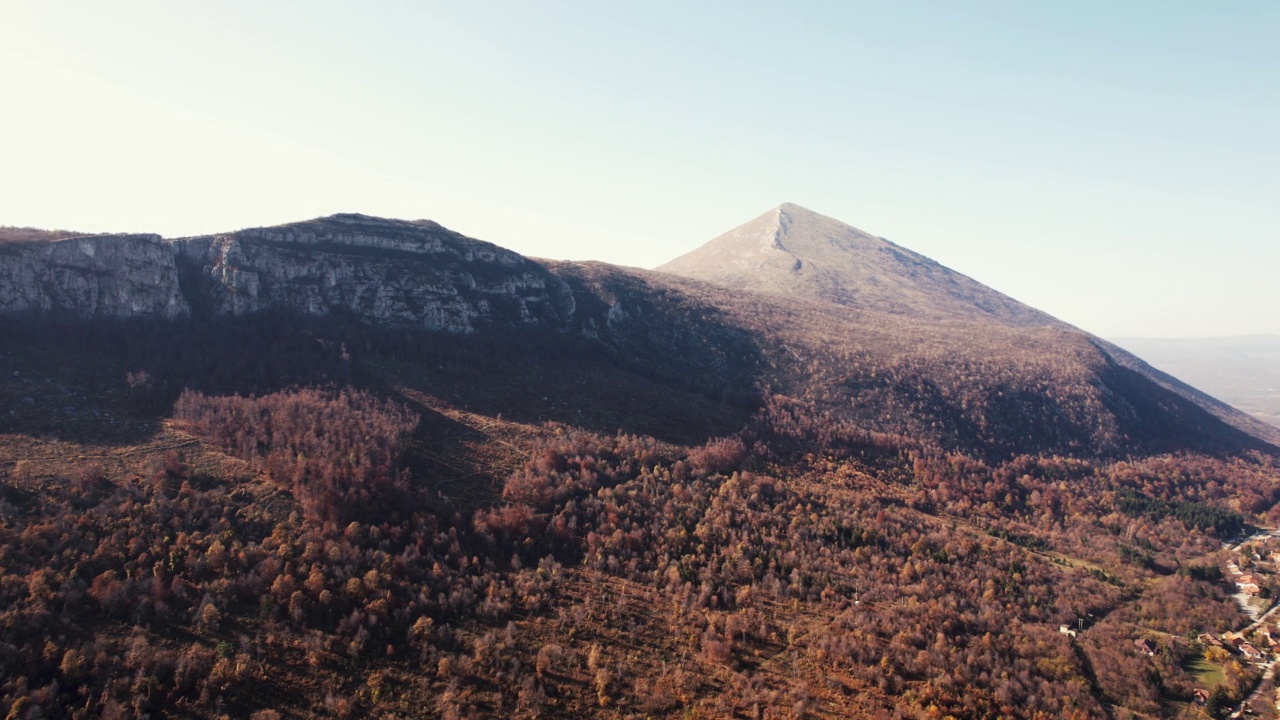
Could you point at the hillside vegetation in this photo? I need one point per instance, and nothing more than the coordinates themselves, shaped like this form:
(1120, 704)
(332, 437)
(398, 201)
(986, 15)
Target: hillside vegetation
(677, 500)
(10, 234)
(325, 552)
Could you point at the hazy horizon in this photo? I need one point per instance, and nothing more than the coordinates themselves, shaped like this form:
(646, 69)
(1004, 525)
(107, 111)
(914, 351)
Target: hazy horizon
(1243, 371)
(1246, 336)
(1112, 166)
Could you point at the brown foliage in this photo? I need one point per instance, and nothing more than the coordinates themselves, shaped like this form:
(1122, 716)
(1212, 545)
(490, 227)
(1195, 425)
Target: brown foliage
(336, 451)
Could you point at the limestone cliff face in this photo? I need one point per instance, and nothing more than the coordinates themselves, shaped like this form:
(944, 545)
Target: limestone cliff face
(387, 272)
(101, 276)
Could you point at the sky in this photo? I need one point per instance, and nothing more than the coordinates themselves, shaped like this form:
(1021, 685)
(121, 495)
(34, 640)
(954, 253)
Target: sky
(1114, 164)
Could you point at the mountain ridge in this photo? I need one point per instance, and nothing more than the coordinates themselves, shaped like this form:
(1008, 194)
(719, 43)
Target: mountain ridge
(590, 491)
(929, 328)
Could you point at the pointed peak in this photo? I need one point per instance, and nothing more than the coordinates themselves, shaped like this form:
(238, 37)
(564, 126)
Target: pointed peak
(792, 207)
(792, 219)
(791, 250)
(794, 211)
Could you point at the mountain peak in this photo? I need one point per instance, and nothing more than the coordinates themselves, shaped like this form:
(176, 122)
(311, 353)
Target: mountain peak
(790, 208)
(791, 250)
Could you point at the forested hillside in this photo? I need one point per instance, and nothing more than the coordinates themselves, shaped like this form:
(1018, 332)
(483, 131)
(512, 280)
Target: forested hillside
(448, 541)
(613, 493)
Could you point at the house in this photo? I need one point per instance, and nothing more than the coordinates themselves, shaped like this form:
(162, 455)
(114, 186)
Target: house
(1146, 646)
(1066, 630)
(1200, 696)
(1209, 641)
(1250, 652)
(1249, 588)
(1248, 578)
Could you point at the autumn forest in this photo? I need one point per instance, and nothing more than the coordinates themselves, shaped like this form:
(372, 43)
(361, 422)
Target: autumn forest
(342, 532)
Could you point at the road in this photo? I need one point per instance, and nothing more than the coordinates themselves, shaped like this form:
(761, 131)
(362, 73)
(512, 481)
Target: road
(1271, 667)
(1261, 619)
(1270, 673)
(1266, 533)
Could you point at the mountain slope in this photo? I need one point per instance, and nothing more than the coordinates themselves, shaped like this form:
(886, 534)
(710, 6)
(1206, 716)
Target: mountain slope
(796, 253)
(1243, 371)
(791, 250)
(593, 492)
(907, 347)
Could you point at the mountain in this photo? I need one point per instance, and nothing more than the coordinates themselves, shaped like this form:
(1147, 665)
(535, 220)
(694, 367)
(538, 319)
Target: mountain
(361, 467)
(794, 251)
(851, 323)
(1243, 371)
(388, 272)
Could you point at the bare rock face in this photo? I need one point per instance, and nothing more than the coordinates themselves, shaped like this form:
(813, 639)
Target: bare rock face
(100, 276)
(386, 272)
(391, 273)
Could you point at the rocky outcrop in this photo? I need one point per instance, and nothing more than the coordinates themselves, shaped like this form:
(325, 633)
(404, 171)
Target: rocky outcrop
(100, 276)
(391, 273)
(386, 272)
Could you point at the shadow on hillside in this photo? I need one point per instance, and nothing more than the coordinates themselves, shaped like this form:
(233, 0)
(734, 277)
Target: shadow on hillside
(1157, 420)
(43, 397)
(453, 461)
(628, 360)
(84, 427)
(585, 393)
(632, 357)
(110, 382)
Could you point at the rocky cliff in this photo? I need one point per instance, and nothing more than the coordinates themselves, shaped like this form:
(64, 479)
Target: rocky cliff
(388, 272)
(868, 333)
(385, 272)
(119, 276)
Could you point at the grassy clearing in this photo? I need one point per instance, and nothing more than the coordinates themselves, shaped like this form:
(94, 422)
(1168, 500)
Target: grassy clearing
(1208, 674)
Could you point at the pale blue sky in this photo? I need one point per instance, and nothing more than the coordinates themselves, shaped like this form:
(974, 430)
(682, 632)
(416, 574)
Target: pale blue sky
(1115, 164)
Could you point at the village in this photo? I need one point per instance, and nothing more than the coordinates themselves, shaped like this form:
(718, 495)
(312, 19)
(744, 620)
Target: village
(1254, 570)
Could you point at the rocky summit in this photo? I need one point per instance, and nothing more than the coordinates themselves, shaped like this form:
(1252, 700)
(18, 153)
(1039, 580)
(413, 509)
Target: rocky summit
(792, 250)
(389, 272)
